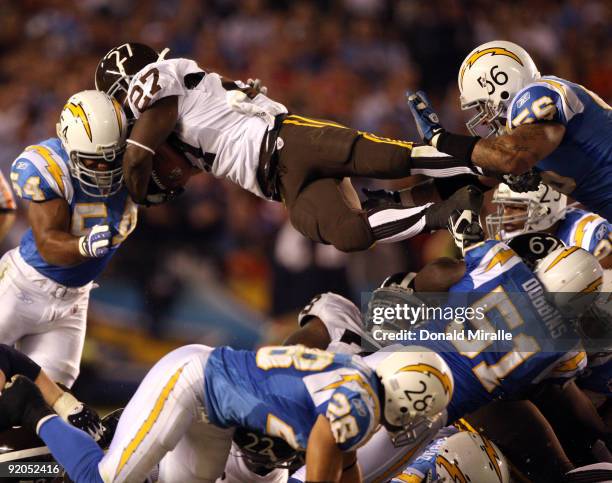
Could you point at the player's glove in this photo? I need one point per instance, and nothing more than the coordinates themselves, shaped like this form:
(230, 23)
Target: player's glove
(96, 243)
(521, 183)
(22, 404)
(427, 121)
(162, 197)
(257, 85)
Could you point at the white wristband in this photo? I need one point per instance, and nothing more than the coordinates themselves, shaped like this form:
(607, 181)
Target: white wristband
(141, 146)
(66, 405)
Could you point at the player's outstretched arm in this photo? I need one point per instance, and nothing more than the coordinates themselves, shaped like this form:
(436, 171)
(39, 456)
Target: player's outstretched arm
(324, 459)
(150, 130)
(512, 153)
(50, 222)
(519, 150)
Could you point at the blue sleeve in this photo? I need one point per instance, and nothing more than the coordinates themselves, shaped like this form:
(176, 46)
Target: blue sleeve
(73, 449)
(30, 183)
(351, 417)
(536, 103)
(602, 232)
(475, 254)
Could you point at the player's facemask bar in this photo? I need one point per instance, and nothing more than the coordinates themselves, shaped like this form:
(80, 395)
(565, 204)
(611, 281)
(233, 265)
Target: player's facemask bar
(99, 183)
(495, 222)
(489, 120)
(410, 432)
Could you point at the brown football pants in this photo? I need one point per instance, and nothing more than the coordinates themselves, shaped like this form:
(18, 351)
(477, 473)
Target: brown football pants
(315, 158)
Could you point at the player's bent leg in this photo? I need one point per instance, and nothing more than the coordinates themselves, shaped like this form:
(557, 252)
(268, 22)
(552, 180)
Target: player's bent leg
(200, 455)
(22, 306)
(168, 401)
(59, 349)
(323, 213)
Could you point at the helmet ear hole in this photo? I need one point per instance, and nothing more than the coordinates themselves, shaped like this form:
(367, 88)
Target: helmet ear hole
(504, 95)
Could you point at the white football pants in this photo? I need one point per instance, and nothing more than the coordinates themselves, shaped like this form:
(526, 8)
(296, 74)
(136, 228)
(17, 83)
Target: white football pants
(165, 423)
(41, 318)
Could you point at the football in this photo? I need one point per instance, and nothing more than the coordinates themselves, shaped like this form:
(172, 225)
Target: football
(171, 169)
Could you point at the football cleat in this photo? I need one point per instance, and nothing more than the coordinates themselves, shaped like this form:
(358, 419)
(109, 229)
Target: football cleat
(465, 228)
(467, 198)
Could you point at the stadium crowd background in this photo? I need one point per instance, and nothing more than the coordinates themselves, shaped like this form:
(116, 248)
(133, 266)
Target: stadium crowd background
(219, 265)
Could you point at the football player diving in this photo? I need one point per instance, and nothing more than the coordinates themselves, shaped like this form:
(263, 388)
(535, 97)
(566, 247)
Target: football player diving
(235, 131)
(183, 414)
(79, 213)
(541, 126)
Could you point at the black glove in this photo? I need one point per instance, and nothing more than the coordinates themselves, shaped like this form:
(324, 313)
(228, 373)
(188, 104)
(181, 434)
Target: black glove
(156, 196)
(521, 183)
(22, 404)
(87, 419)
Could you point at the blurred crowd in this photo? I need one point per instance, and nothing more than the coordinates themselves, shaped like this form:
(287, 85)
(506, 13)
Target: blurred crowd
(346, 60)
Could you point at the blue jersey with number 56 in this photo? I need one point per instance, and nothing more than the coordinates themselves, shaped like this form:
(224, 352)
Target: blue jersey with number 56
(41, 174)
(281, 391)
(582, 164)
(505, 296)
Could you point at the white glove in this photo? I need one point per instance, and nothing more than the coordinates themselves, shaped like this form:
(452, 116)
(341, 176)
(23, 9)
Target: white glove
(96, 243)
(256, 84)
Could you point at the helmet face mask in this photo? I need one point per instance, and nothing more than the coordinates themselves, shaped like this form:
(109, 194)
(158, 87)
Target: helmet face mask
(93, 130)
(488, 121)
(98, 183)
(417, 385)
(519, 213)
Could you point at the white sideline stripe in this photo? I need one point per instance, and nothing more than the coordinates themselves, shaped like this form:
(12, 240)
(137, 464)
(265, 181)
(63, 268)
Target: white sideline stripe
(24, 453)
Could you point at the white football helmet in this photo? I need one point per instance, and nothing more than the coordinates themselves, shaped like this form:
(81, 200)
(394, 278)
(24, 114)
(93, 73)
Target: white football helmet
(573, 278)
(489, 78)
(418, 385)
(470, 457)
(539, 210)
(93, 129)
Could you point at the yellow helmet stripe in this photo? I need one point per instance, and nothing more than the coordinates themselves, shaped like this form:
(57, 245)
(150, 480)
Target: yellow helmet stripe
(77, 111)
(593, 286)
(452, 469)
(427, 369)
(491, 50)
(564, 254)
(118, 114)
(492, 454)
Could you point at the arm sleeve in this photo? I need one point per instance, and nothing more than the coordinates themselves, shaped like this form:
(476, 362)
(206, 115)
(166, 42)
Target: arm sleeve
(538, 103)
(158, 80)
(568, 367)
(341, 318)
(351, 416)
(38, 174)
(14, 362)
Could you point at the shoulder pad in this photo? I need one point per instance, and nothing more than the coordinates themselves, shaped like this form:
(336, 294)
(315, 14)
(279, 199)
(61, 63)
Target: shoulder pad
(40, 174)
(488, 260)
(353, 414)
(158, 80)
(534, 103)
